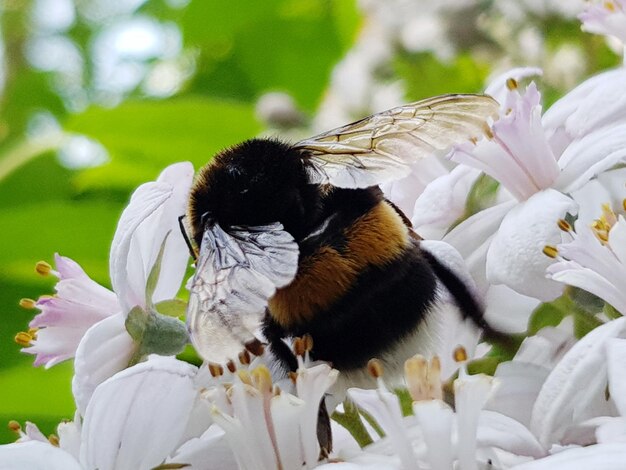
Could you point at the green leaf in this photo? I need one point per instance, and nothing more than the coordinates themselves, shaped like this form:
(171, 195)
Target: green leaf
(584, 322)
(549, 314)
(485, 365)
(171, 308)
(611, 312)
(145, 136)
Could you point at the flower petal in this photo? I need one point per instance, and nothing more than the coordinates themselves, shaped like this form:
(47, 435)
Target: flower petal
(210, 447)
(35, 455)
(616, 351)
(600, 456)
(435, 419)
(508, 311)
(515, 257)
(574, 390)
(498, 430)
(105, 350)
(122, 429)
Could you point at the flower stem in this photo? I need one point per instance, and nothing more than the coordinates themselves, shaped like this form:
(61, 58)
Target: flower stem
(351, 420)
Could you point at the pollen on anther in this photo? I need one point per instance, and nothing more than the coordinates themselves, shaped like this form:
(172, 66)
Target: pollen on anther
(564, 225)
(23, 339)
(244, 376)
(42, 268)
(308, 342)
(244, 357)
(14, 426)
(216, 370)
(262, 379)
(54, 440)
(550, 251)
(375, 368)
(511, 84)
(27, 303)
(460, 354)
(230, 365)
(299, 347)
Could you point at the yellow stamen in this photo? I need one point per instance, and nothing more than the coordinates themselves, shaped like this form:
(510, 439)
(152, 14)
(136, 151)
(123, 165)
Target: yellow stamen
(511, 84)
(27, 303)
(33, 332)
(308, 343)
(610, 6)
(624, 204)
(416, 375)
(550, 251)
(299, 347)
(14, 426)
(262, 379)
(375, 368)
(216, 370)
(42, 268)
(54, 440)
(460, 354)
(564, 225)
(487, 131)
(23, 338)
(608, 215)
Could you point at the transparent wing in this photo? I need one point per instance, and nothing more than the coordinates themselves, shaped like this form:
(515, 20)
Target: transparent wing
(380, 148)
(236, 273)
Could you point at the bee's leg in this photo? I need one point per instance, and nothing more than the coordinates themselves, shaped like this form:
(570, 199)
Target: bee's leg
(192, 251)
(466, 301)
(274, 334)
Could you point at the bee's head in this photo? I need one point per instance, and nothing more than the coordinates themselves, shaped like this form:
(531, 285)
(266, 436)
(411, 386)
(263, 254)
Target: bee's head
(257, 182)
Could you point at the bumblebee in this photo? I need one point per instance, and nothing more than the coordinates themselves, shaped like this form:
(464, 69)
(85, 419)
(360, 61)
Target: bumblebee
(299, 239)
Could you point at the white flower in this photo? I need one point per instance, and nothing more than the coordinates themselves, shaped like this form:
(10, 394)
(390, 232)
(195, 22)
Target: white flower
(605, 17)
(538, 167)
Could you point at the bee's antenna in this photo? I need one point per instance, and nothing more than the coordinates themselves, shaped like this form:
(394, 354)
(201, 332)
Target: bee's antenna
(183, 230)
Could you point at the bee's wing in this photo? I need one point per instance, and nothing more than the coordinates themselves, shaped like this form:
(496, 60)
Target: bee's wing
(380, 148)
(236, 273)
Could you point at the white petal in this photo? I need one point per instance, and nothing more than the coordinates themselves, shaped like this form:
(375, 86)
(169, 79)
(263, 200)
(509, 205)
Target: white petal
(616, 351)
(515, 257)
(473, 236)
(617, 239)
(590, 155)
(548, 346)
(69, 435)
(146, 199)
(498, 430)
(443, 201)
(210, 447)
(435, 419)
(613, 430)
(105, 350)
(136, 417)
(574, 391)
(519, 387)
(508, 311)
(601, 456)
(497, 87)
(287, 411)
(35, 455)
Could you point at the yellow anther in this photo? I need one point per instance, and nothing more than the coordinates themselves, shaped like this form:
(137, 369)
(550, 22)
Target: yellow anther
(262, 379)
(564, 225)
(550, 251)
(54, 440)
(608, 216)
(375, 368)
(610, 6)
(230, 365)
(42, 268)
(27, 303)
(511, 84)
(459, 354)
(299, 347)
(23, 338)
(33, 332)
(14, 426)
(308, 343)
(244, 357)
(624, 204)
(487, 131)
(216, 370)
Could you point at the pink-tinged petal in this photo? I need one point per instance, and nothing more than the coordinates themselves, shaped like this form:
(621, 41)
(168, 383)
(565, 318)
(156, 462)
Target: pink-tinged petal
(600, 456)
(32, 433)
(150, 216)
(473, 236)
(616, 352)
(210, 447)
(35, 455)
(515, 257)
(590, 155)
(105, 350)
(498, 430)
(136, 417)
(606, 17)
(404, 192)
(497, 87)
(575, 390)
(79, 303)
(519, 387)
(442, 202)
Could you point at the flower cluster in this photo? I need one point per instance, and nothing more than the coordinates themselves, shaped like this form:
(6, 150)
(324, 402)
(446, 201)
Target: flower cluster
(532, 217)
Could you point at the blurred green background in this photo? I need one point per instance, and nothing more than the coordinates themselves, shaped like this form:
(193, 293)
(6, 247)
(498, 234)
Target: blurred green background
(97, 96)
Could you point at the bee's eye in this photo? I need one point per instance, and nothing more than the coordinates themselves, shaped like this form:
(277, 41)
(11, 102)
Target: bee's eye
(206, 218)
